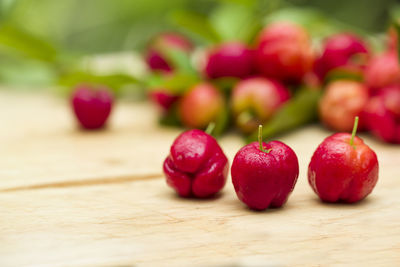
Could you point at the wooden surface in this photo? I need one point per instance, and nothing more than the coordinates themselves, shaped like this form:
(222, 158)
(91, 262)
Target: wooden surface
(74, 198)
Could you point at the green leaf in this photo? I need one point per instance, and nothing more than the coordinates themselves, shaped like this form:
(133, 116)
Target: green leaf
(300, 110)
(113, 81)
(395, 16)
(225, 83)
(177, 83)
(221, 122)
(319, 25)
(344, 74)
(179, 59)
(22, 43)
(235, 22)
(196, 24)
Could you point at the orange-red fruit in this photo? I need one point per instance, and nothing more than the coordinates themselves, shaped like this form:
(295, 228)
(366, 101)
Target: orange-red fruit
(255, 100)
(284, 52)
(342, 101)
(201, 105)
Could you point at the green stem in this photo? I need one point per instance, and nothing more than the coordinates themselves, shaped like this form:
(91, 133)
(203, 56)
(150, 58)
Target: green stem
(353, 133)
(260, 141)
(210, 128)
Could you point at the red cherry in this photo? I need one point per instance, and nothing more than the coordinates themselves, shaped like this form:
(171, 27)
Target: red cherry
(230, 60)
(92, 106)
(196, 165)
(343, 169)
(264, 174)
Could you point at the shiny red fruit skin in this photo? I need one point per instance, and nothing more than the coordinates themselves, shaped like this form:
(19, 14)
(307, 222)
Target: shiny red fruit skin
(92, 106)
(338, 172)
(154, 56)
(341, 50)
(284, 52)
(382, 115)
(230, 60)
(262, 180)
(196, 165)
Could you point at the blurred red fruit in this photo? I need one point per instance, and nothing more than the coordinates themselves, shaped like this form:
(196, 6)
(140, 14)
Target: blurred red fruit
(342, 101)
(201, 105)
(230, 60)
(392, 39)
(344, 51)
(382, 114)
(284, 52)
(162, 98)
(92, 106)
(155, 57)
(255, 100)
(383, 70)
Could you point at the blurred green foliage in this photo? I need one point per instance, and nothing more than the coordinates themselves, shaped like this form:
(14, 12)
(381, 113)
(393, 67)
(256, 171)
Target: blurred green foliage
(42, 40)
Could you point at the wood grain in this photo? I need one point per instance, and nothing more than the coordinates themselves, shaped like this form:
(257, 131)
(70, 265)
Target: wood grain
(74, 198)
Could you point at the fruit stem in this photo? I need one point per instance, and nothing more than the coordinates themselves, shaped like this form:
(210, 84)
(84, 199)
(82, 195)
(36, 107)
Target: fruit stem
(353, 133)
(210, 128)
(260, 141)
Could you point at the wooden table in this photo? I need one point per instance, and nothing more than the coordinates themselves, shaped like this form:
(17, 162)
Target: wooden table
(74, 198)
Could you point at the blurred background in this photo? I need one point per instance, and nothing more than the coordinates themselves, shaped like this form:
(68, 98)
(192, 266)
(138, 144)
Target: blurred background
(39, 39)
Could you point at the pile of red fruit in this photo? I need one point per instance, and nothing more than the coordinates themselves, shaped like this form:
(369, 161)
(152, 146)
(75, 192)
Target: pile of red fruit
(268, 72)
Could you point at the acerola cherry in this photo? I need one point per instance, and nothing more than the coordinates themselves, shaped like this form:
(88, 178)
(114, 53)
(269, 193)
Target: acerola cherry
(383, 70)
(255, 100)
(196, 165)
(162, 98)
(201, 105)
(345, 51)
(92, 106)
(343, 168)
(382, 115)
(155, 55)
(342, 101)
(284, 52)
(264, 174)
(230, 60)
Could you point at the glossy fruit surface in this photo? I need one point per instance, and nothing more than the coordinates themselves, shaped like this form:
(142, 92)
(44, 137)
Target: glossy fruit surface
(92, 106)
(196, 165)
(341, 172)
(261, 179)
